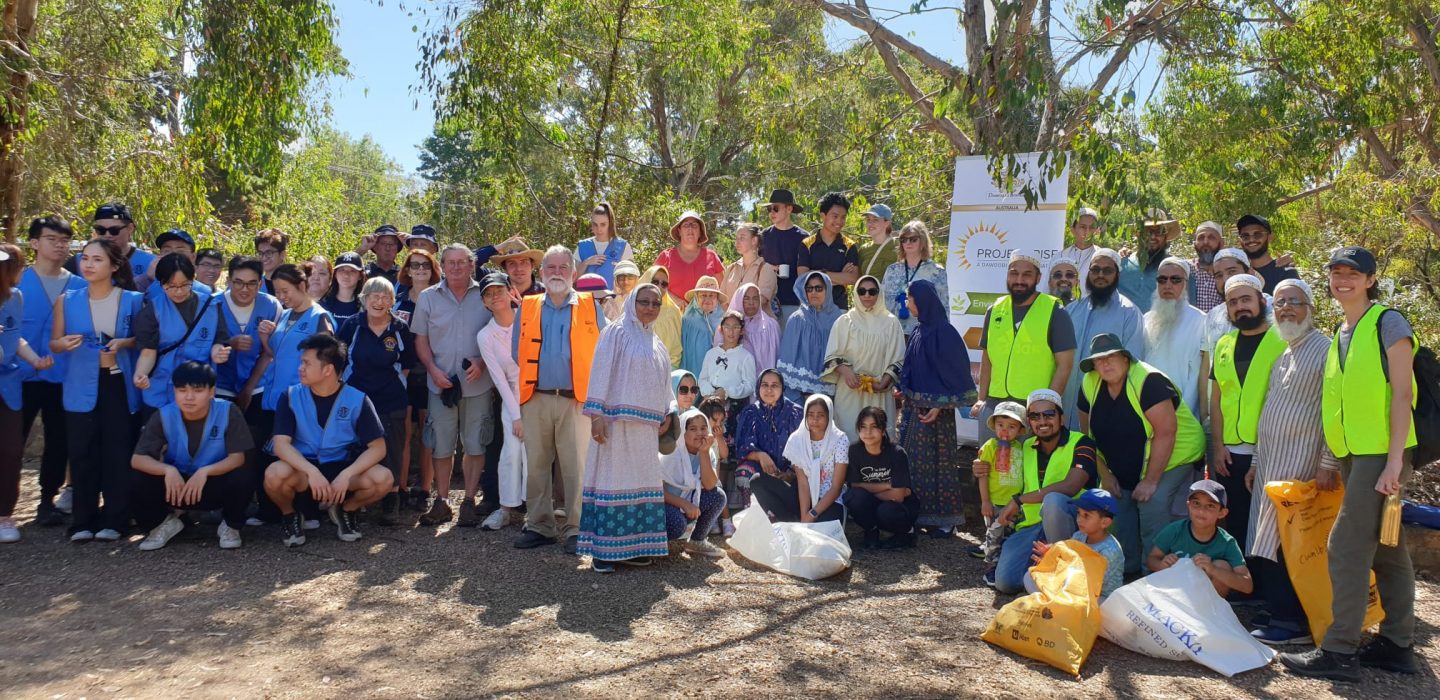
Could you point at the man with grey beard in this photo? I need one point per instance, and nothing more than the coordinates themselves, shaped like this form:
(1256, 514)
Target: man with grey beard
(1175, 336)
(1290, 447)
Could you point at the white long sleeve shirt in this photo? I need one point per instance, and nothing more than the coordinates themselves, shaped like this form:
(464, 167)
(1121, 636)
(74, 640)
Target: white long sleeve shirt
(494, 341)
(732, 370)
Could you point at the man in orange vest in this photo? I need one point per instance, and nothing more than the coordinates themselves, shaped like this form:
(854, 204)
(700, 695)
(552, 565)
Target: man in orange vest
(554, 344)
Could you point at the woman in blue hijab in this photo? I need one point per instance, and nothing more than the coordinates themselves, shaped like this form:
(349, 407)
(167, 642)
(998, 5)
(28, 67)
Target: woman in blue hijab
(934, 384)
(806, 335)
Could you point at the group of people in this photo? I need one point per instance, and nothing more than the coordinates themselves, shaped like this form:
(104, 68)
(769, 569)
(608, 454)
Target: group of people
(626, 412)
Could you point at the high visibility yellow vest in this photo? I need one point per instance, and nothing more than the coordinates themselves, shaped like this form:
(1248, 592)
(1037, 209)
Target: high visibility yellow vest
(1241, 400)
(1355, 401)
(1056, 469)
(1189, 436)
(1020, 362)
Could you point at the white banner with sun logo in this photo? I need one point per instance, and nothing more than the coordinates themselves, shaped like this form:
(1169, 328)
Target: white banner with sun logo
(986, 223)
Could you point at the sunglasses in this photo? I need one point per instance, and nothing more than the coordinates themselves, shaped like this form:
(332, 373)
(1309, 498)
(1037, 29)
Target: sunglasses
(663, 285)
(1037, 415)
(909, 239)
(1282, 303)
(867, 292)
(1170, 279)
(1064, 276)
(814, 289)
(109, 230)
(688, 390)
(419, 266)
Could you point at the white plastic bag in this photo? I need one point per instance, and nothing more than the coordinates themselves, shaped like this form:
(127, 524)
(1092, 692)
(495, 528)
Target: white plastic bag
(1176, 614)
(808, 550)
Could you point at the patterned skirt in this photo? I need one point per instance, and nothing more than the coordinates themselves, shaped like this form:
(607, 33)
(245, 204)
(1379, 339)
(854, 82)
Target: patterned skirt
(934, 456)
(622, 513)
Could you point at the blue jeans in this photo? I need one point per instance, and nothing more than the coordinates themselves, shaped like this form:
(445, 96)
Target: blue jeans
(1057, 522)
(1136, 524)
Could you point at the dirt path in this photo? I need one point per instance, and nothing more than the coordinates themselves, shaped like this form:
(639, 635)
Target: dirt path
(406, 613)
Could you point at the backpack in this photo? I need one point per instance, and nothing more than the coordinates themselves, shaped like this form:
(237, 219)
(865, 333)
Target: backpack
(1427, 405)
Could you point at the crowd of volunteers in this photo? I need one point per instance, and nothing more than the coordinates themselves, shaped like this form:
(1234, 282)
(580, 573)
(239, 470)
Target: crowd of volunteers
(1136, 402)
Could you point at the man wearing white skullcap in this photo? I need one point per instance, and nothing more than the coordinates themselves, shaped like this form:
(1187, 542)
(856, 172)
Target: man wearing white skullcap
(1228, 263)
(1027, 342)
(1209, 239)
(1175, 335)
(1239, 380)
(1063, 280)
(1289, 446)
(1083, 229)
(1103, 310)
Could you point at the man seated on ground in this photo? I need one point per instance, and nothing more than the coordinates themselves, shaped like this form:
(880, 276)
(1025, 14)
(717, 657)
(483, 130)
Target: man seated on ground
(191, 455)
(319, 426)
(1200, 538)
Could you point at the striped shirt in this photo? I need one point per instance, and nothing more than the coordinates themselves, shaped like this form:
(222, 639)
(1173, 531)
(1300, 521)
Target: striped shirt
(1290, 444)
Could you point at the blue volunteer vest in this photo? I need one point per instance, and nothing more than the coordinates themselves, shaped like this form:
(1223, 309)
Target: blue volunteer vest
(140, 260)
(82, 368)
(196, 347)
(613, 254)
(35, 325)
(284, 370)
(333, 442)
(212, 438)
(234, 374)
(10, 363)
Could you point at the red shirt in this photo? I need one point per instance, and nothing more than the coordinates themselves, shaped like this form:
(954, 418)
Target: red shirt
(683, 275)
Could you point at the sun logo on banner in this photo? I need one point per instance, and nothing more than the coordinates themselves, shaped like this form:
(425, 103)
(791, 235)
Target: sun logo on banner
(982, 245)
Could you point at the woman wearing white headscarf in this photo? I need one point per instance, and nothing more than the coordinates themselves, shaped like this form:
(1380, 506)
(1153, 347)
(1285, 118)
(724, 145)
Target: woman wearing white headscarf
(863, 356)
(819, 454)
(622, 514)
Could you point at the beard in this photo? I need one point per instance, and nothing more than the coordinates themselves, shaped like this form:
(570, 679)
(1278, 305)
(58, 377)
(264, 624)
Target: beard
(1291, 331)
(1064, 293)
(1099, 296)
(1019, 293)
(1164, 314)
(556, 285)
(1257, 254)
(1205, 257)
(1249, 323)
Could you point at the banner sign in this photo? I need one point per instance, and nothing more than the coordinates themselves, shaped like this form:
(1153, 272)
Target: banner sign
(986, 223)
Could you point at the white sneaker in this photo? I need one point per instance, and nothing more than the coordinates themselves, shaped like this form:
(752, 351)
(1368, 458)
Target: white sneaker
(108, 535)
(66, 500)
(82, 536)
(704, 549)
(229, 536)
(8, 532)
(162, 534)
(497, 520)
(310, 524)
(727, 527)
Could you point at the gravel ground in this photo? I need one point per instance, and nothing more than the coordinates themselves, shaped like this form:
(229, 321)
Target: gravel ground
(408, 612)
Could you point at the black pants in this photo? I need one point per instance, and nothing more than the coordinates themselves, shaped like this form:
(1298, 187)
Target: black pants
(229, 493)
(1279, 592)
(872, 513)
(490, 477)
(782, 502)
(11, 451)
(1237, 523)
(104, 439)
(262, 426)
(45, 399)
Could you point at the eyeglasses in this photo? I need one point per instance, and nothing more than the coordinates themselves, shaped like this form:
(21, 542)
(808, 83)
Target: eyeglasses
(688, 390)
(647, 304)
(808, 288)
(241, 284)
(215, 264)
(1063, 276)
(1253, 235)
(177, 287)
(1037, 415)
(773, 209)
(109, 230)
(864, 292)
(420, 266)
(268, 252)
(1107, 271)
(1170, 279)
(1282, 303)
(909, 239)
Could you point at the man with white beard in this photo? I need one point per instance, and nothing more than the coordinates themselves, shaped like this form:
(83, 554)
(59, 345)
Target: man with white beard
(1175, 336)
(1103, 309)
(1290, 447)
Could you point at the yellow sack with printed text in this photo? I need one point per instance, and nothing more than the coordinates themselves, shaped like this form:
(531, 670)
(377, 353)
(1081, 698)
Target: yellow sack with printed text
(1058, 623)
(1305, 515)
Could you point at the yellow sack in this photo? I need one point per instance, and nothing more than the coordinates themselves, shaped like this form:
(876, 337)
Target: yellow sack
(1057, 624)
(1305, 515)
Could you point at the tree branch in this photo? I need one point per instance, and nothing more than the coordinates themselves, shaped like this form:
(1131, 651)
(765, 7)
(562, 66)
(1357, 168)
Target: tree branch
(864, 22)
(952, 132)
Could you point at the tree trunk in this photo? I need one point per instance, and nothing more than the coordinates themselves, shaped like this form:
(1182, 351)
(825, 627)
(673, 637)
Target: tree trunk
(19, 29)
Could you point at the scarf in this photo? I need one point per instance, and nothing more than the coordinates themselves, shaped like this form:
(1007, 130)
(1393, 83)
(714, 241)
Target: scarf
(667, 325)
(627, 377)
(869, 340)
(797, 448)
(802, 346)
(675, 467)
(937, 361)
(762, 428)
(762, 332)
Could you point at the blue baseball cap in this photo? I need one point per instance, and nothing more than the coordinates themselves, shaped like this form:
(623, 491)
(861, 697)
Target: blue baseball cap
(1098, 500)
(1213, 489)
(175, 234)
(880, 211)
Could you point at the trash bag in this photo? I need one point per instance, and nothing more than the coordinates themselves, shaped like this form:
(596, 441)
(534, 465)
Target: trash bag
(1058, 623)
(808, 550)
(1305, 515)
(1176, 614)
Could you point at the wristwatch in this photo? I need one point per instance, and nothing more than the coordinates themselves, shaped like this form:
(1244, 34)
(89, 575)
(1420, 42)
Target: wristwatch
(813, 514)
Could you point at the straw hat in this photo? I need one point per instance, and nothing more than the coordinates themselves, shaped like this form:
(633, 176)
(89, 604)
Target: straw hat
(1159, 218)
(516, 248)
(707, 283)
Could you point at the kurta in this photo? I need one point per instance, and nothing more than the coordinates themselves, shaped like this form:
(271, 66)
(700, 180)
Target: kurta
(1290, 444)
(1178, 353)
(1119, 316)
(872, 344)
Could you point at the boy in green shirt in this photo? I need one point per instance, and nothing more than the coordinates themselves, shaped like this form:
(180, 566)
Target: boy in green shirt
(1204, 542)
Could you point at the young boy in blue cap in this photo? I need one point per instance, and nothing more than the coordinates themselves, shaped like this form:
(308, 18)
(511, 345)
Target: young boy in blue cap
(1094, 513)
(1201, 538)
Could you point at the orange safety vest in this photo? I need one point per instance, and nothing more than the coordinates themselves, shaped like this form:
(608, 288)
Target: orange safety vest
(584, 334)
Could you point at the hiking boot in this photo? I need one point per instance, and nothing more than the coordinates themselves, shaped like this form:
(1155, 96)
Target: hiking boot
(1384, 654)
(531, 539)
(162, 534)
(229, 536)
(439, 513)
(572, 544)
(418, 498)
(468, 516)
(344, 524)
(389, 510)
(1318, 663)
(294, 526)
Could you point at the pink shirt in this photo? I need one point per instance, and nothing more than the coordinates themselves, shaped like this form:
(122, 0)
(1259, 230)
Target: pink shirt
(683, 275)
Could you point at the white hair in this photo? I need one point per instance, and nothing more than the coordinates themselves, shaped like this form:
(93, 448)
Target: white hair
(561, 250)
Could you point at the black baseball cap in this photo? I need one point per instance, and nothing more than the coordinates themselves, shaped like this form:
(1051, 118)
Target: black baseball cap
(176, 234)
(1353, 256)
(494, 279)
(422, 232)
(113, 210)
(1253, 220)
